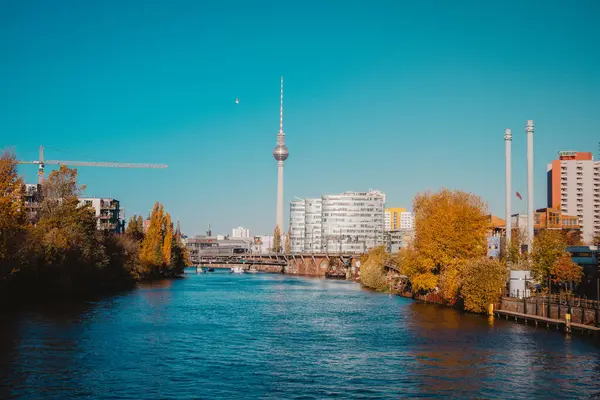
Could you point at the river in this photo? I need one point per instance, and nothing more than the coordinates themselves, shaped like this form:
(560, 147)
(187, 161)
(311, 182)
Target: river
(226, 336)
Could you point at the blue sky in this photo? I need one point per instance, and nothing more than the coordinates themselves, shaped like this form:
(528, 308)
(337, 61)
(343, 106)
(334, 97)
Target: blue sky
(391, 95)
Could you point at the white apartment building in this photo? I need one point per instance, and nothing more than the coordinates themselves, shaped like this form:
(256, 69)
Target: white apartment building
(574, 188)
(107, 211)
(240, 232)
(312, 225)
(407, 221)
(387, 220)
(297, 228)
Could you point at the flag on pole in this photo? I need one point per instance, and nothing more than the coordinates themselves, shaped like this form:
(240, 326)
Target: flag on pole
(519, 196)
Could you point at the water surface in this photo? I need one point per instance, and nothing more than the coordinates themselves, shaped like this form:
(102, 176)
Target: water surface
(220, 335)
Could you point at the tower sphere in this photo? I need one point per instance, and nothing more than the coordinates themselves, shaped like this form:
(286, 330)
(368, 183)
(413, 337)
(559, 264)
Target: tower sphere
(281, 152)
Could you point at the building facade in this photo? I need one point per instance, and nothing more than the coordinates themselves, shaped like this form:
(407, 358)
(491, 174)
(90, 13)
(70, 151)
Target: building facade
(574, 189)
(107, 211)
(392, 218)
(262, 244)
(313, 225)
(240, 232)
(407, 220)
(297, 227)
(352, 222)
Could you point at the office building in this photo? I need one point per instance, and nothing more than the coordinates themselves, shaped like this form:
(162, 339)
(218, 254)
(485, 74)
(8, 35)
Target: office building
(392, 218)
(574, 189)
(352, 222)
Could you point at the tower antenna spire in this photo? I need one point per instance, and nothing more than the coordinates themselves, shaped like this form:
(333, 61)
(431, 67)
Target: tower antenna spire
(281, 108)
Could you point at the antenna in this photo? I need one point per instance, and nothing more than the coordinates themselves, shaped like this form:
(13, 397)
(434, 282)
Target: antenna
(281, 109)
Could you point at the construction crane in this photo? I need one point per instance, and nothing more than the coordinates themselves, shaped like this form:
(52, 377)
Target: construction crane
(42, 163)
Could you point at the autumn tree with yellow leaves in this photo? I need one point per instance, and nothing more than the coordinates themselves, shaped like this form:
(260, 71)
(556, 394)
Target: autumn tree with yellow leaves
(12, 214)
(277, 240)
(451, 228)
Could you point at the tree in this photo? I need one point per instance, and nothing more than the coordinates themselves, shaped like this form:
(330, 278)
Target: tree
(548, 247)
(12, 213)
(482, 283)
(596, 239)
(566, 270)
(372, 272)
(60, 187)
(573, 237)
(422, 280)
(168, 238)
(152, 247)
(288, 245)
(277, 240)
(135, 228)
(451, 228)
(514, 256)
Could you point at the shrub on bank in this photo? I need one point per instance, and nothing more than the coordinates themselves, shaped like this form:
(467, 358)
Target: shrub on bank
(483, 282)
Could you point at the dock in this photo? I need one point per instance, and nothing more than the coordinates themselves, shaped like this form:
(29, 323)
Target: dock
(550, 323)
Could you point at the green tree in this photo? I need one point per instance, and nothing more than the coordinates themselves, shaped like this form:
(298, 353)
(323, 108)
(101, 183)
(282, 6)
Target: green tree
(451, 229)
(12, 214)
(277, 240)
(483, 282)
(151, 253)
(514, 256)
(548, 247)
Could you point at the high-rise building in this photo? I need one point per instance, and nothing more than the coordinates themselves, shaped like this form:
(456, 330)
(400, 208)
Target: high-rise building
(574, 189)
(407, 221)
(352, 221)
(281, 154)
(392, 218)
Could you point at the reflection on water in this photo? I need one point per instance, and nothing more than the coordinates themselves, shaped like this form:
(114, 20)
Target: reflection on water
(223, 335)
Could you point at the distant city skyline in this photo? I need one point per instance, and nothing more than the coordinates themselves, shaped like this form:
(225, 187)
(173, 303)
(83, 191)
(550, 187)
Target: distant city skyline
(397, 96)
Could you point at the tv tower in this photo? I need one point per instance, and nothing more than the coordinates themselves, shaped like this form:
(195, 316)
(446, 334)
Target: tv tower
(281, 154)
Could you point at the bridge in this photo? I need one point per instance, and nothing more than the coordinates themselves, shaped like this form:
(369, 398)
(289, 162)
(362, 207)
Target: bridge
(337, 265)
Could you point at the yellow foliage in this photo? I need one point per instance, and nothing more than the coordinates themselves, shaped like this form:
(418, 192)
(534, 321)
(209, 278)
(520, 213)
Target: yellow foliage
(168, 240)
(451, 228)
(548, 247)
(372, 272)
(424, 282)
(152, 245)
(483, 282)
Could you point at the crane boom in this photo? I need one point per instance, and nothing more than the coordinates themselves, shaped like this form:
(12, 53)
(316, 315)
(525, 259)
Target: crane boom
(104, 164)
(42, 162)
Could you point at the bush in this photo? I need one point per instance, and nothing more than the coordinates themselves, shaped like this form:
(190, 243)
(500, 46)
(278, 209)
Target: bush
(483, 283)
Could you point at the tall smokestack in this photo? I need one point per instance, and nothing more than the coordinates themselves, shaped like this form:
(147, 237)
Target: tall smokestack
(530, 210)
(508, 159)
